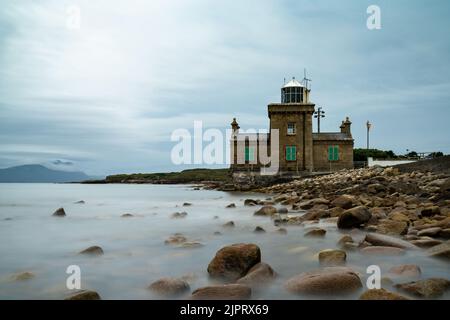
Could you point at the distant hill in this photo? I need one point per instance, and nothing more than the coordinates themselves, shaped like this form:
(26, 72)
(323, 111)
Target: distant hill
(39, 173)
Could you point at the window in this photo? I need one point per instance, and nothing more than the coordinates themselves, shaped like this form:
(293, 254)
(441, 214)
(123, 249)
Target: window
(291, 128)
(291, 153)
(249, 153)
(333, 153)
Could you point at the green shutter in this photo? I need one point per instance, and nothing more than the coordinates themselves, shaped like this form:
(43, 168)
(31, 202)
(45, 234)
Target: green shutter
(330, 153)
(291, 153)
(336, 153)
(249, 154)
(333, 153)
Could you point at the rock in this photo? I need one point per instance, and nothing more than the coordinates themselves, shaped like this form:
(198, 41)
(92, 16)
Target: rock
(387, 226)
(192, 245)
(178, 215)
(375, 188)
(333, 280)
(281, 231)
(234, 261)
(305, 205)
(79, 202)
(384, 240)
(344, 202)
(426, 243)
(84, 295)
(428, 288)
(23, 276)
(177, 238)
(259, 229)
(345, 239)
(353, 218)
(316, 232)
(94, 250)
(283, 210)
(382, 251)
(169, 286)
(223, 292)
(381, 294)
(445, 233)
(59, 213)
(229, 224)
(335, 212)
(332, 257)
(440, 251)
(260, 274)
(399, 216)
(430, 211)
(187, 204)
(266, 211)
(430, 232)
(127, 215)
(231, 205)
(250, 202)
(406, 270)
(217, 233)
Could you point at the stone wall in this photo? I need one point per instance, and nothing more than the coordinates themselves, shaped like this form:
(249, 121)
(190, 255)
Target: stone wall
(321, 162)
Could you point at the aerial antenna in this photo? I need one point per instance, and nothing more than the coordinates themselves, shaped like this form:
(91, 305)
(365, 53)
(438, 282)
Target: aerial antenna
(305, 79)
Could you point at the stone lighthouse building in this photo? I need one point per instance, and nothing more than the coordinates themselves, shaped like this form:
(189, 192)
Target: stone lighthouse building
(300, 150)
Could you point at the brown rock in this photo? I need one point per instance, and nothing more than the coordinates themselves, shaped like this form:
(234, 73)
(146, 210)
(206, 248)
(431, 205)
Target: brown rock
(94, 250)
(231, 205)
(229, 224)
(445, 233)
(387, 226)
(345, 239)
(266, 211)
(384, 240)
(177, 238)
(382, 251)
(333, 280)
(335, 212)
(59, 213)
(259, 274)
(430, 232)
(406, 270)
(353, 218)
(250, 202)
(234, 261)
(223, 292)
(259, 229)
(332, 257)
(344, 201)
(23, 276)
(430, 211)
(316, 232)
(169, 286)
(381, 294)
(429, 288)
(84, 295)
(440, 251)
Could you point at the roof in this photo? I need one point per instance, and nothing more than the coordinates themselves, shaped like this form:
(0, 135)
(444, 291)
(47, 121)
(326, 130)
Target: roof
(326, 136)
(293, 83)
(253, 136)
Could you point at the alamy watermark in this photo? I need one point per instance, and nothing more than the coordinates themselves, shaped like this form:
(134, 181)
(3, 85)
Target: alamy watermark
(374, 20)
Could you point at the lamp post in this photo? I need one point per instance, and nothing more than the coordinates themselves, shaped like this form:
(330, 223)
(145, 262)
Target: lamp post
(369, 125)
(319, 114)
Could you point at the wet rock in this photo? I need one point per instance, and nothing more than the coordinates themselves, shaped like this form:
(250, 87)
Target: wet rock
(445, 233)
(94, 251)
(406, 270)
(316, 232)
(381, 294)
(231, 205)
(177, 238)
(426, 243)
(187, 204)
(229, 224)
(266, 211)
(192, 245)
(430, 232)
(428, 288)
(259, 229)
(387, 226)
(179, 215)
(308, 204)
(375, 188)
(169, 287)
(332, 257)
(345, 239)
(127, 215)
(353, 218)
(388, 241)
(234, 261)
(335, 212)
(217, 233)
(430, 211)
(281, 231)
(22, 276)
(84, 295)
(250, 202)
(333, 280)
(283, 210)
(382, 251)
(440, 251)
(79, 202)
(59, 213)
(399, 216)
(223, 292)
(260, 274)
(344, 201)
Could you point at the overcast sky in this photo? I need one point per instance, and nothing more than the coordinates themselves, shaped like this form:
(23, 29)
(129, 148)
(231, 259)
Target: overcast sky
(106, 97)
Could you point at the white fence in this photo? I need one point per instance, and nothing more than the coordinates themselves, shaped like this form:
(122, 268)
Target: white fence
(386, 163)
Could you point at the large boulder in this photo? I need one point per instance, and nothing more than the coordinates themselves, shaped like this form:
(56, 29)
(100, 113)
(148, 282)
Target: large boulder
(428, 288)
(59, 213)
(234, 261)
(440, 251)
(84, 295)
(266, 211)
(354, 218)
(344, 201)
(388, 241)
(333, 280)
(223, 292)
(258, 275)
(169, 286)
(381, 294)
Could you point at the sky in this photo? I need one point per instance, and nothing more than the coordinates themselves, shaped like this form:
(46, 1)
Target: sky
(104, 96)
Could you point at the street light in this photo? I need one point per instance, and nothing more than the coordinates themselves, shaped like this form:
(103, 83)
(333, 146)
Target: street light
(319, 114)
(369, 125)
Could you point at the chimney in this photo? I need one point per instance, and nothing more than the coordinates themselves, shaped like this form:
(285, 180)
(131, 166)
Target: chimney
(345, 126)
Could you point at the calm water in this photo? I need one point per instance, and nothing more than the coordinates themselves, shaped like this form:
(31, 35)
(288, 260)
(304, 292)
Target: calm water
(135, 253)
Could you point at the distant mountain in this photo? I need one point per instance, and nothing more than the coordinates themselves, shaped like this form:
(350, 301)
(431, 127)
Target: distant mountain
(38, 173)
